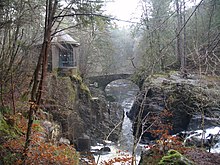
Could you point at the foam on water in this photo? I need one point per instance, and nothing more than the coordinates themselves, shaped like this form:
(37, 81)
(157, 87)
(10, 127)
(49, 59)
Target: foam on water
(115, 153)
(205, 134)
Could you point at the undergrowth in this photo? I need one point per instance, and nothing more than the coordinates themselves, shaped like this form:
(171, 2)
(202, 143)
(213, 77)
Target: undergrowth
(40, 151)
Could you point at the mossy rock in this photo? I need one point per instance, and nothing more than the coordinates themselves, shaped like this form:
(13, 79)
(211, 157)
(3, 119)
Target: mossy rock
(77, 78)
(5, 110)
(173, 157)
(83, 88)
(60, 90)
(5, 129)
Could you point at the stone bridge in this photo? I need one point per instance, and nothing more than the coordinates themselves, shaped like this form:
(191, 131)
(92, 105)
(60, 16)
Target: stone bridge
(103, 80)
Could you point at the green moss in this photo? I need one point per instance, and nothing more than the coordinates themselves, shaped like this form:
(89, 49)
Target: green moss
(173, 157)
(83, 89)
(77, 78)
(161, 75)
(5, 129)
(10, 157)
(5, 110)
(172, 72)
(55, 71)
(37, 126)
(72, 91)
(68, 87)
(25, 96)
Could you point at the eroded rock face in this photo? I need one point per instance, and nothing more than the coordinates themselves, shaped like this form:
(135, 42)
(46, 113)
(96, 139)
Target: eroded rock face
(97, 120)
(155, 103)
(105, 117)
(184, 98)
(81, 113)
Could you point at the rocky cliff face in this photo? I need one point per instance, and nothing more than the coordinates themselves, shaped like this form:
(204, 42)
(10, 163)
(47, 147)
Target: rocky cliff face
(80, 112)
(184, 98)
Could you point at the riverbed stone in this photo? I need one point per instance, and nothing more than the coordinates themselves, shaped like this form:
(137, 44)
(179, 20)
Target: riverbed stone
(84, 143)
(105, 149)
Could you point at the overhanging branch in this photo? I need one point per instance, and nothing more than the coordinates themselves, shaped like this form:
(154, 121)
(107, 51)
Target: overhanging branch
(93, 14)
(80, 14)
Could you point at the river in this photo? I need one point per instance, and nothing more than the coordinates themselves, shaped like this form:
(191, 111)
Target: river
(124, 93)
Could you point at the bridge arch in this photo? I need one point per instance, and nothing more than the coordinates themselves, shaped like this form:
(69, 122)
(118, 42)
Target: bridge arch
(103, 80)
(121, 90)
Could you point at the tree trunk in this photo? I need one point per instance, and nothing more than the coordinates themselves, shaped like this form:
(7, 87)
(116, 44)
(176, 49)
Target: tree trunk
(41, 69)
(183, 58)
(179, 34)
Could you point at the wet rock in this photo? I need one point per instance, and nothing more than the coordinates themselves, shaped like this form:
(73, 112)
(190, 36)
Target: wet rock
(105, 149)
(156, 103)
(52, 131)
(201, 138)
(84, 143)
(195, 122)
(102, 151)
(183, 98)
(64, 141)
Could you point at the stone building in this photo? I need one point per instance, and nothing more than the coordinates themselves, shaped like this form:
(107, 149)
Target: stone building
(64, 54)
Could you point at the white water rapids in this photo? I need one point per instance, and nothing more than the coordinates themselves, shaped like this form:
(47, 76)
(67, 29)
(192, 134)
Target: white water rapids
(125, 93)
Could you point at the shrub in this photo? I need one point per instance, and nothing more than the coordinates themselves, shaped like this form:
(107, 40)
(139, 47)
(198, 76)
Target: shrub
(40, 152)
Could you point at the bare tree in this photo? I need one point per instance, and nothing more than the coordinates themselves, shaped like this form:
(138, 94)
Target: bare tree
(15, 41)
(41, 68)
(179, 33)
(53, 21)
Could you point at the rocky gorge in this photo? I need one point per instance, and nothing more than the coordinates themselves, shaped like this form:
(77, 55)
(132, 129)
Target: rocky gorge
(193, 102)
(85, 113)
(72, 112)
(82, 113)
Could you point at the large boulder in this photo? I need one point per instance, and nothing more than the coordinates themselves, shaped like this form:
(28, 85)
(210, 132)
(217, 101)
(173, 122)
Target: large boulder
(183, 98)
(174, 157)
